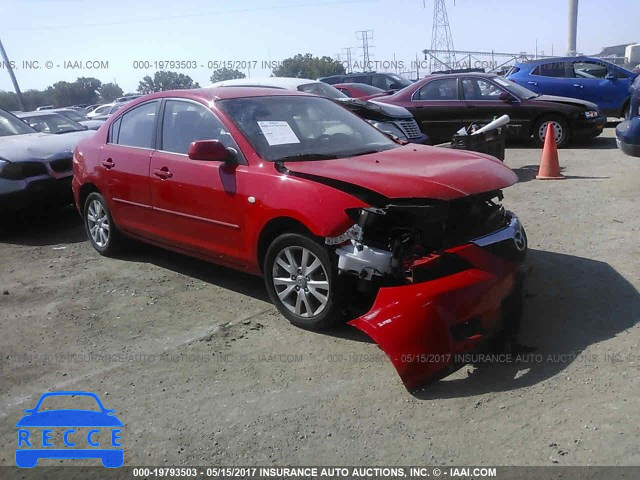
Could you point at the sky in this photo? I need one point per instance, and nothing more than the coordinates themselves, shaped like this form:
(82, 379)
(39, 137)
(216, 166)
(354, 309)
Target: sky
(53, 40)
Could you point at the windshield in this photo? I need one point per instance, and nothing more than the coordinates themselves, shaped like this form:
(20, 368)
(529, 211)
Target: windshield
(10, 125)
(75, 116)
(404, 82)
(53, 123)
(303, 128)
(322, 89)
(518, 90)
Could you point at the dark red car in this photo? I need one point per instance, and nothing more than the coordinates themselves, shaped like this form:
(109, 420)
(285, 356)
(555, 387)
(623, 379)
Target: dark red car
(409, 241)
(443, 104)
(359, 90)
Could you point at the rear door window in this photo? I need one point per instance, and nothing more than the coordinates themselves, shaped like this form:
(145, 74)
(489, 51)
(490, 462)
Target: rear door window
(552, 69)
(138, 126)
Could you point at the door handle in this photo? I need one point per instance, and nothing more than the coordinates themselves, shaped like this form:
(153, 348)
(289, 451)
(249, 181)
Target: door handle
(533, 83)
(163, 173)
(577, 85)
(471, 106)
(108, 164)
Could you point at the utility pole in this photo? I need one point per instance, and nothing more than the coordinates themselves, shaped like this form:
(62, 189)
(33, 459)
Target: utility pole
(13, 77)
(364, 36)
(441, 40)
(573, 27)
(347, 54)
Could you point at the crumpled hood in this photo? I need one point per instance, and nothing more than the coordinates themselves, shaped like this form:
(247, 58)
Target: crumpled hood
(40, 146)
(415, 171)
(568, 101)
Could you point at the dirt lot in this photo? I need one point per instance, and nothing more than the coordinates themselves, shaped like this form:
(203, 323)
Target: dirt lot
(202, 369)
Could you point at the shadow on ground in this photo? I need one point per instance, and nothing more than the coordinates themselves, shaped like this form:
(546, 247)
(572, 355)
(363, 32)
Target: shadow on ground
(527, 173)
(52, 226)
(572, 303)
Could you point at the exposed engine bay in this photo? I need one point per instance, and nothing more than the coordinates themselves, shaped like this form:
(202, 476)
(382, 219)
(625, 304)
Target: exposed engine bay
(394, 244)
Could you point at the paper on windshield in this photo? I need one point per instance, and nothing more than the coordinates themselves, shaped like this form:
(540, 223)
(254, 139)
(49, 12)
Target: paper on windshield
(278, 132)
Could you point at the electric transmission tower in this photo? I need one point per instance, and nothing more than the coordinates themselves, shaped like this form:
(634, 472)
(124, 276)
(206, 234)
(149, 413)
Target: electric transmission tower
(442, 55)
(364, 36)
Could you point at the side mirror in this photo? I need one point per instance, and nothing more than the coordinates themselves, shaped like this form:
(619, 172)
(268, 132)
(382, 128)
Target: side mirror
(611, 76)
(395, 86)
(211, 151)
(505, 97)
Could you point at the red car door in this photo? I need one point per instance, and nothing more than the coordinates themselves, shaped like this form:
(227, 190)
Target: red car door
(125, 159)
(198, 206)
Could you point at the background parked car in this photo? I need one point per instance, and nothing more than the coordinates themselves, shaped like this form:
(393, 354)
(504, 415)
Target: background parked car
(384, 81)
(390, 119)
(103, 116)
(628, 132)
(100, 110)
(80, 117)
(50, 122)
(359, 90)
(35, 168)
(442, 104)
(127, 98)
(591, 79)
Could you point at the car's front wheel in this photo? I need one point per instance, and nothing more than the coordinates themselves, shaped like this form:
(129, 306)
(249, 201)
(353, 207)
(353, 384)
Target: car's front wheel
(301, 280)
(102, 232)
(560, 130)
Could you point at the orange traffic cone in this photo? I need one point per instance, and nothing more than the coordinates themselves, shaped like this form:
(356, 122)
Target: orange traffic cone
(549, 164)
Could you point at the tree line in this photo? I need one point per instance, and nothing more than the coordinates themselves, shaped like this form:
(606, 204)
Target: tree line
(88, 90)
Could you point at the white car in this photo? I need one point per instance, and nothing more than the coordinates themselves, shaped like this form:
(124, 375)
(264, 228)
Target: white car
(101, 110)
(396, 121)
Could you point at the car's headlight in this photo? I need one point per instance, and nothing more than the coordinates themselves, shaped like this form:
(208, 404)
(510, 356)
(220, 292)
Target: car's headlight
(390, 128)
(591, 114)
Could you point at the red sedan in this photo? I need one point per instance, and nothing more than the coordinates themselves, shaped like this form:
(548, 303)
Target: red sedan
(359, 90)
(409, 241)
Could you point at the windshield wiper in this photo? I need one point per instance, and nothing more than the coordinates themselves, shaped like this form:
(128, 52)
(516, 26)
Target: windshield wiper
(366, 152)
(307, 156)
(69, 130)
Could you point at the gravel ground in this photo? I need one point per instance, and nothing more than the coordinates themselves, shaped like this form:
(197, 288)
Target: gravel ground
(202, 369)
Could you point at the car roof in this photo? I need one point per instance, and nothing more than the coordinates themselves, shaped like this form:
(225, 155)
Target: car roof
(37, 113)
(210, 94)
(460, 74)
(288, 83)
(578, 58)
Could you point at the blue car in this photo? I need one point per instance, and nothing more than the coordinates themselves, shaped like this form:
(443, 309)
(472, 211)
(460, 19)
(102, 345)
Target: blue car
(35, 433)
(628, 132)
(597, 81)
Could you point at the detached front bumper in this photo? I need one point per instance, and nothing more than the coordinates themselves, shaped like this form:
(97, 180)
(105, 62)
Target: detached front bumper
(424, 328)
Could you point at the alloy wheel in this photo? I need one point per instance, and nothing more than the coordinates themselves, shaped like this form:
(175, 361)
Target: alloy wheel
(301, 281)
(98, 223)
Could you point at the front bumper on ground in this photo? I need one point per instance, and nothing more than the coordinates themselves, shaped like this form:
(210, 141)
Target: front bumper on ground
(425, 328)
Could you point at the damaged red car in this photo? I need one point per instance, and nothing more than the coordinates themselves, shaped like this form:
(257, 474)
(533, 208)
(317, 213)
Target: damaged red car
(408, 242)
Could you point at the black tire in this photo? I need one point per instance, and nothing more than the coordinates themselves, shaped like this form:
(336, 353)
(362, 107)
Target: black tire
(305, 288)
(540, 130)
(102, 232)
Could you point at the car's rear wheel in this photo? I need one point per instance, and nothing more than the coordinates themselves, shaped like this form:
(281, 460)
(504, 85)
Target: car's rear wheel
(102, 232)
(301, 280)
(560, 129)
